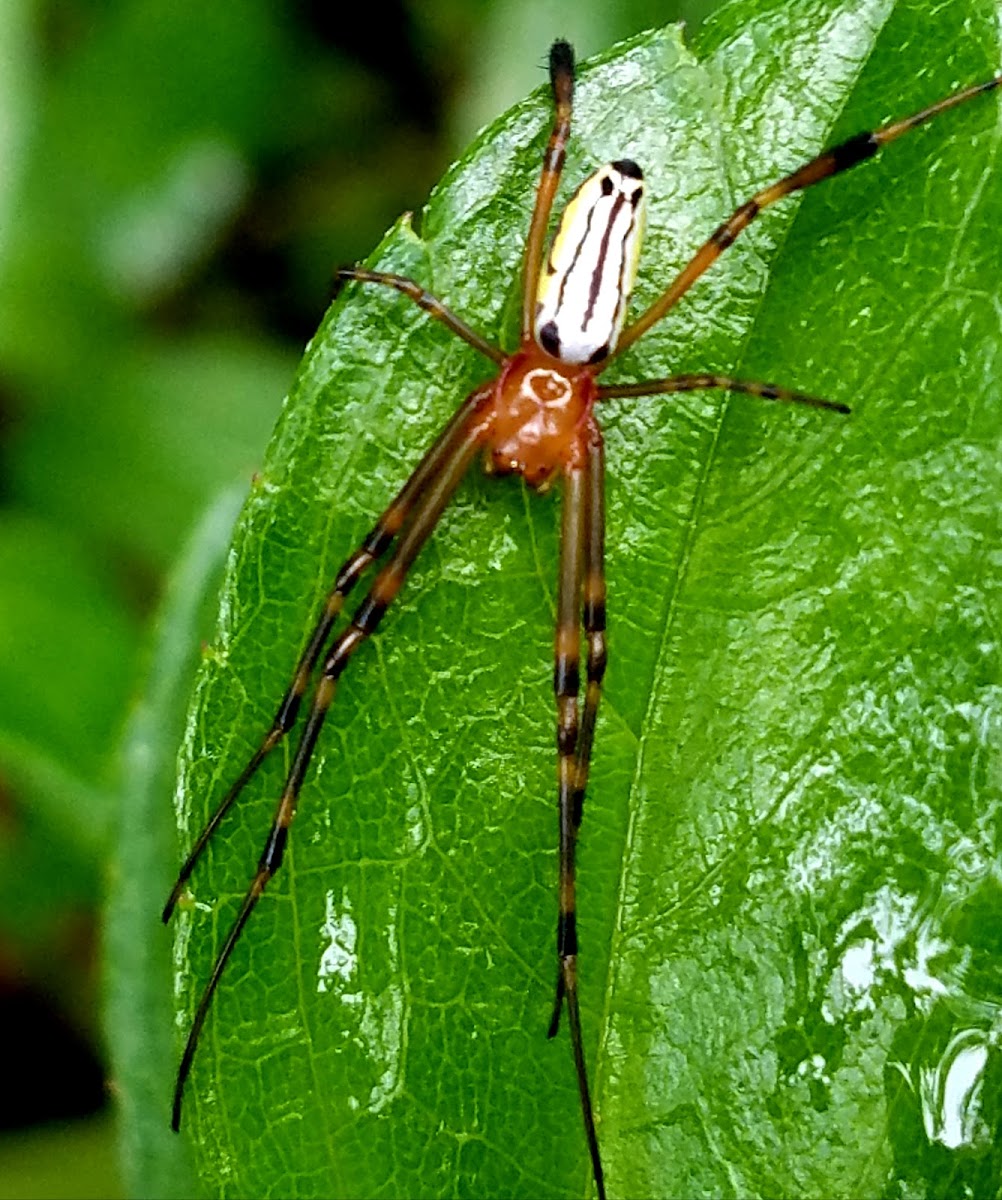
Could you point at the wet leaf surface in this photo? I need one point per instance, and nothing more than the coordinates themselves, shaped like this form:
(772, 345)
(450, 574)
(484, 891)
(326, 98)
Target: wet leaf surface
(791, 836)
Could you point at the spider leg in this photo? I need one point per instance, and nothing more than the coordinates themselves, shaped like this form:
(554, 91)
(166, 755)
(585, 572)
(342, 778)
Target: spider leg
(831, 162)
(562, 83)
(593, 594)
(695, 383)
(423, 299)
(581, 557)
(460, 444)
(372, 548)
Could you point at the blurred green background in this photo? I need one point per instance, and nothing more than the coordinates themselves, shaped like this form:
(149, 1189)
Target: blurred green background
(177, 180)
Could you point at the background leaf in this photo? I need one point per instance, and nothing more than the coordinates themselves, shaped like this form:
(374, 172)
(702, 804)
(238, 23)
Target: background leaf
(791, 845)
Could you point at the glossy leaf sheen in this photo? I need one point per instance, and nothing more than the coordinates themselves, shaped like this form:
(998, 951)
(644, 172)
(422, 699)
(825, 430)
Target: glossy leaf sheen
(788, 874)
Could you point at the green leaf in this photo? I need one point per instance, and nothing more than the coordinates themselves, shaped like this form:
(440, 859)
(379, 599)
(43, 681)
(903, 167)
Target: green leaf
(138, 975)
(787, 875)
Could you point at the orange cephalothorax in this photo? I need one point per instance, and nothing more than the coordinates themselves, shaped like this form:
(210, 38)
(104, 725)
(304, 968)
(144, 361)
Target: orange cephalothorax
(540, 410)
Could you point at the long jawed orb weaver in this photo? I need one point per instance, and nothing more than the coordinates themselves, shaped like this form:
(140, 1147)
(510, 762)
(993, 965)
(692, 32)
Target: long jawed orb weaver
(535, 419)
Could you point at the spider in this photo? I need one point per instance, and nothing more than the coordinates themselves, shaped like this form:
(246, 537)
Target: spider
(536, 419)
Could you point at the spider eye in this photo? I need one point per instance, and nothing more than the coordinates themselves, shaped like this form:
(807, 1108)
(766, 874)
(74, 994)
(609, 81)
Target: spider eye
(585, 283)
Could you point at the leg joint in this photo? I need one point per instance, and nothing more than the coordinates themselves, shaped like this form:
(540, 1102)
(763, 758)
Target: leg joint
(598, 657)
(594, 614)
(566, 676)
(271, 857)
(348, 576)
(567, 935)
(567, 735)
(370, 613)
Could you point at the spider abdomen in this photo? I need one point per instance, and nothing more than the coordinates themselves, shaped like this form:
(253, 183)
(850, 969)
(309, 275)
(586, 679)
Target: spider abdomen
(586, 280)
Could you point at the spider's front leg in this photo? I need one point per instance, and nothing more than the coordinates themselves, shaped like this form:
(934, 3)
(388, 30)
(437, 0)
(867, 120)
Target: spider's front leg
(582, 551)
(373, 548)
(438, 477)
(426, 301)
(843, 157)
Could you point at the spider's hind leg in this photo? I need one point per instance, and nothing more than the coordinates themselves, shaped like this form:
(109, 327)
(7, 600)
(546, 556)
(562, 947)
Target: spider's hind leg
(581, 580)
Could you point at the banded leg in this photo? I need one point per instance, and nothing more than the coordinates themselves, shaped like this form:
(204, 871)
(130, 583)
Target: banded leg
(831, 162)
(698, 383)
(372, 548)
(575, 543)
(562, 84)
(593, 595)
(424, 299)
(459, 448)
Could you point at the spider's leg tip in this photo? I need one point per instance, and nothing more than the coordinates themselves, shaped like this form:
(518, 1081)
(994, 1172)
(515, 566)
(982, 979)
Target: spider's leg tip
(339, 278)
(561, 56)
(171, 904)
